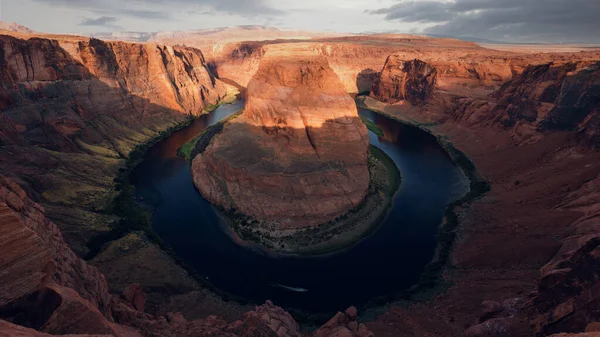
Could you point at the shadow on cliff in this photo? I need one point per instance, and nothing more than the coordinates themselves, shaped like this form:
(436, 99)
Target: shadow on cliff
(365, 81)
(65, 134)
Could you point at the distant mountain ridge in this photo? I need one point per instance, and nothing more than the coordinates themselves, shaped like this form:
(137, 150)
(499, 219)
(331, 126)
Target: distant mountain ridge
(14, 27)
(211, 36)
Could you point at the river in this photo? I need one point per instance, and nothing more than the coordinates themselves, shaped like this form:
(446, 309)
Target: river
(389, 260)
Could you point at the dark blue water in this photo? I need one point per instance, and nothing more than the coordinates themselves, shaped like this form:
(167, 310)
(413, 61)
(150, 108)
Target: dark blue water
(389, 260)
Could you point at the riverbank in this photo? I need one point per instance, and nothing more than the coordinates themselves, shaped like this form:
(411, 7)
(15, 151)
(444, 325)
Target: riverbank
(133, 216)
(337, 234)
(431, 280)
(504, 237)
(198, 144)
(123, 254)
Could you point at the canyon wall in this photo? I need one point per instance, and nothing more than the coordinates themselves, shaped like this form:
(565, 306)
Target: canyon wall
(357, 60)
(73, 108)
(297, 155)
(534, 139)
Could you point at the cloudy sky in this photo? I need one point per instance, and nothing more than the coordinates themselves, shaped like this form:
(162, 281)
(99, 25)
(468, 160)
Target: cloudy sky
(505, 20)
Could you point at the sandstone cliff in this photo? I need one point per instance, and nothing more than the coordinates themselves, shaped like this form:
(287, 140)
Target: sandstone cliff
(413, 81)
(73, 108)
(552, 97)
(297, 155)
(34, 253)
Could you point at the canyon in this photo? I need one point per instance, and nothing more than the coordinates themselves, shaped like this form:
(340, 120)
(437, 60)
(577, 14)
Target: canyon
(74, 109)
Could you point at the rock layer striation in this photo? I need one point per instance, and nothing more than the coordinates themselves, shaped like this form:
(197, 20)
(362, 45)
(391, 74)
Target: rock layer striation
(298, 153)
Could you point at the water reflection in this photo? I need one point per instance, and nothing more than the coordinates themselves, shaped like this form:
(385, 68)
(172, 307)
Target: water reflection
(389, 260)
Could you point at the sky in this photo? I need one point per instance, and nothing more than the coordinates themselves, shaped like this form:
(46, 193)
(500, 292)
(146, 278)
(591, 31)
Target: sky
(572, 21)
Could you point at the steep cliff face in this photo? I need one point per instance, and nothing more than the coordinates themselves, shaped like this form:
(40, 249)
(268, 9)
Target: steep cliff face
(297, 155)
(34, 253)
(62, 88)
(413, 81)
(555, 97)
(357, 60)
(73, 108)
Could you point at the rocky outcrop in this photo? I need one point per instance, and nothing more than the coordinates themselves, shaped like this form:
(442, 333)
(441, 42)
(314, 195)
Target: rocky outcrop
(413, 81)
(11, 330)
(64, 88)
(34, 254)
(297, 156)
(554, 96)
(45, 285)
(344, 324)
(568, 294)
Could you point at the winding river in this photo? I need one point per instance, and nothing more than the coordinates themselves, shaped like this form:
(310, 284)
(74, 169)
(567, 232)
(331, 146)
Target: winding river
(389, 260)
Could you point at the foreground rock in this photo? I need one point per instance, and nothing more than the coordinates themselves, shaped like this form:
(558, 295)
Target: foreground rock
(46, 288)
(297, 156)
(35, 255)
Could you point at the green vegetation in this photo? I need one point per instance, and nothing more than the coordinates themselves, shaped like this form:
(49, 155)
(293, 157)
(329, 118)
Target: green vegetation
(230, 98)
(186, 150)
(372, 126)
(431, 281)
(394, 173)
(132, 215)
(199, 143)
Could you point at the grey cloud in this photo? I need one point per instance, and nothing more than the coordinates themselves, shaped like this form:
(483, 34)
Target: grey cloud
(510, 20)
(101, 21)
(421, 11)
(241, 7)
(144, 14)
(247, 8)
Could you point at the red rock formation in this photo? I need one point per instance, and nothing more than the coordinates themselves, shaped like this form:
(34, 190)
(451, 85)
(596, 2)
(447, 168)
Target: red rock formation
(34, 253)
(344, 324)
(86, 79)
(298, 154)
(413, 81)
(71, 107)
(555, 96)
(544, 196)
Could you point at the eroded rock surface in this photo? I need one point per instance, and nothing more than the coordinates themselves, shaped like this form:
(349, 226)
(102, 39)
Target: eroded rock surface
(73, 108)
(34, 253)
(413, 81)
(298, 153)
